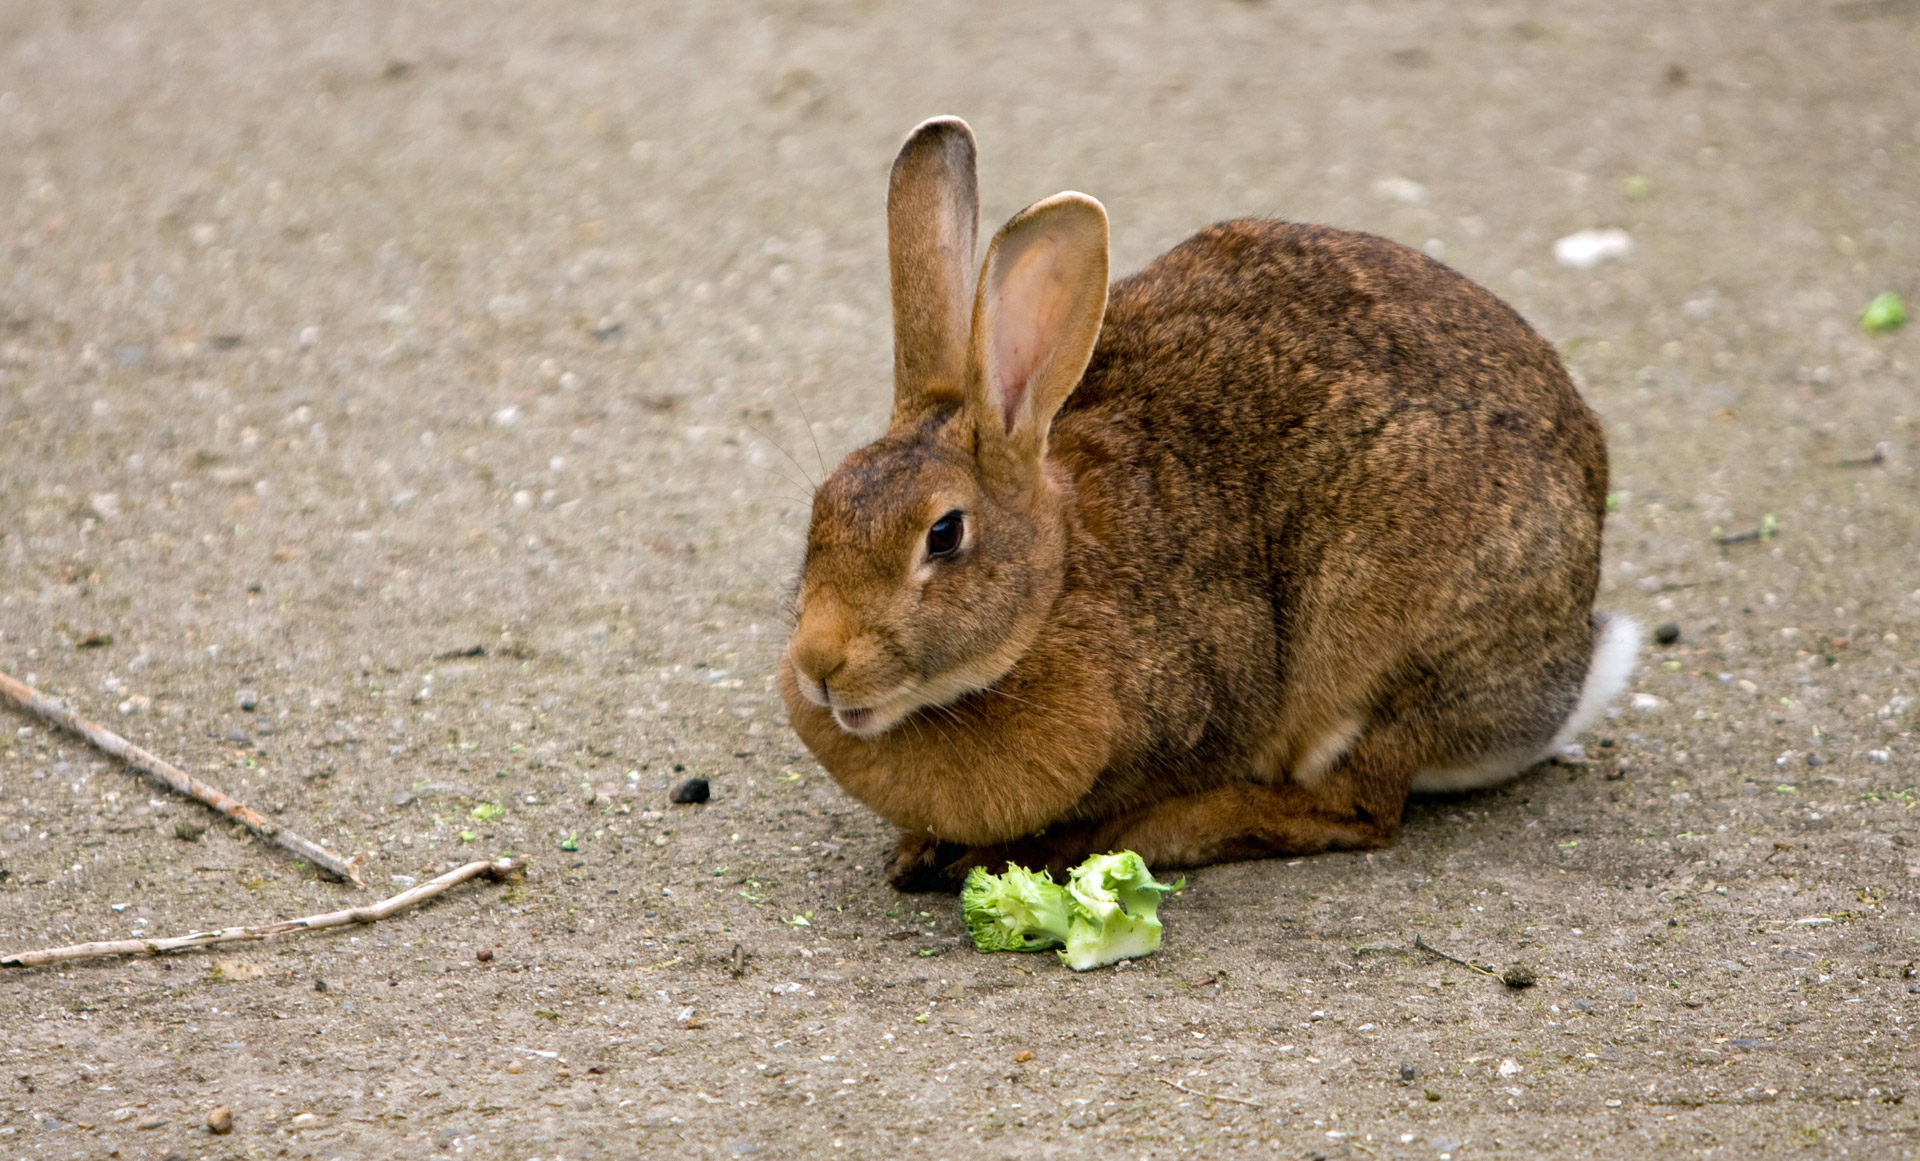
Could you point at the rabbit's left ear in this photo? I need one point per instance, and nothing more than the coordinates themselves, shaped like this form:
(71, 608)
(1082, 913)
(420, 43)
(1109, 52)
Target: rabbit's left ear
(933, 219)
(1036, 317)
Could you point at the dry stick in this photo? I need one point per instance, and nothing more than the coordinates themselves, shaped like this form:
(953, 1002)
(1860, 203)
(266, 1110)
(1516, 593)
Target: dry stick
(1423, 945)
(367, 914)
(179, 780)
(1211, 1096)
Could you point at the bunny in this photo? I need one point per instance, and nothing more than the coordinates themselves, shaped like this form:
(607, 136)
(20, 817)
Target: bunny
(1217, 563)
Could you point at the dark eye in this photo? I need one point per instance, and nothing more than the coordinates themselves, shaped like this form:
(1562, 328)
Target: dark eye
(943, 539)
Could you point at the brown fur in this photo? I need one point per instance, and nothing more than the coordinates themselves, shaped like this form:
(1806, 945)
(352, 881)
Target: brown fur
(1314, 494)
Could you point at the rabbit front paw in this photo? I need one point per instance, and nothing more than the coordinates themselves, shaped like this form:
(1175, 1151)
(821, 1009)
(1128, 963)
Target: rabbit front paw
(921, 863)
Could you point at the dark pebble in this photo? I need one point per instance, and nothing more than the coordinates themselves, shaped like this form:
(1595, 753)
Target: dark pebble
(484, 955)
(1667, 634)
(1815, 760)
(319, 985)
(237, 736)
(189, 831)
(1519, 977)
(1408, 1072)
(693, 790)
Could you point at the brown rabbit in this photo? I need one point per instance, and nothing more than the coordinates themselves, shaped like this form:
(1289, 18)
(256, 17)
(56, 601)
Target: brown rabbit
(1216, 564)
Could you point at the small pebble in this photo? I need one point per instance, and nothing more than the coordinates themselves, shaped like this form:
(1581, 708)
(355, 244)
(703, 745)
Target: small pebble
(189, 831)
(514, 1068)
(693, 790)
(1667, 633)
(1586, 249)
(305, 1119)
(1408, 1072)
(246, 700)
(1519, 977)
(1815, 760)
(403, 798)
(1022, 1056)
(484, 955)
(319, 985)
(220, 1120)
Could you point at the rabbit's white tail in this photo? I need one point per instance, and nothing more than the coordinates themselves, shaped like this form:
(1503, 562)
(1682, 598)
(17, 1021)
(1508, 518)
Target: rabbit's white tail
(1616, 646)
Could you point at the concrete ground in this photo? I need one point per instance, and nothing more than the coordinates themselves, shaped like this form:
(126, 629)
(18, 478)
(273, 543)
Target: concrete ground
(409, 411)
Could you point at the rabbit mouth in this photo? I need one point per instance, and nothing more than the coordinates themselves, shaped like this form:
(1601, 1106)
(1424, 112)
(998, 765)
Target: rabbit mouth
(856, 721)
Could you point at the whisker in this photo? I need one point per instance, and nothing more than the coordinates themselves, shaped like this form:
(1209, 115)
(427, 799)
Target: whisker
(783, 451)
(795, 396)
(805, 496)
(998, 692)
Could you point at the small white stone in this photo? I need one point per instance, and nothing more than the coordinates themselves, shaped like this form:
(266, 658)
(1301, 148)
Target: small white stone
(1400, 189)
(1588, 248)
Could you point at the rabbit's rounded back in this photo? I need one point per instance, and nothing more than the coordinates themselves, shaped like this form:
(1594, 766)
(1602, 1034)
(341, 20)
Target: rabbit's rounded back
(1407, 511)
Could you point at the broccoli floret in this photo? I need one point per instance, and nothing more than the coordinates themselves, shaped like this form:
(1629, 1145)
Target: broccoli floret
(1108, 910)
(1017, 911)
(1116, 908)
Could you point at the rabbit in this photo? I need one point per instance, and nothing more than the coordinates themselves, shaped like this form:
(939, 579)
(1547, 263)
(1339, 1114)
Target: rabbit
(1218, 562)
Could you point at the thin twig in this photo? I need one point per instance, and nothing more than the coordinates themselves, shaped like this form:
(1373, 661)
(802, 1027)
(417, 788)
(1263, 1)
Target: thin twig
(1423, 945)
(368, 914)
(179, 780)
(1211, 1096)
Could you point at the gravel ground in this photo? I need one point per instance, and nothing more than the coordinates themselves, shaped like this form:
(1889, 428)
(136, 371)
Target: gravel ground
(410, 412)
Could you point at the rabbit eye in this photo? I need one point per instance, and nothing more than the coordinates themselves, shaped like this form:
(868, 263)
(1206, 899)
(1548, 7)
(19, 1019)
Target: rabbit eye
(943, 539)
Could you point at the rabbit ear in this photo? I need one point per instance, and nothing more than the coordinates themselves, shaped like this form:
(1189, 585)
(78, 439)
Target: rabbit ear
(933, 219)
(1043, 293)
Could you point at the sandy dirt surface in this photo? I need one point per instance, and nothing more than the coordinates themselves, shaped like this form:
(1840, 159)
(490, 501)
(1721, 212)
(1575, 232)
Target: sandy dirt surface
(401, 417)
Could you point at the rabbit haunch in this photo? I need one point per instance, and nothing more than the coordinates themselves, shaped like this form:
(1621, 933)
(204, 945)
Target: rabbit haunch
(1256, 540)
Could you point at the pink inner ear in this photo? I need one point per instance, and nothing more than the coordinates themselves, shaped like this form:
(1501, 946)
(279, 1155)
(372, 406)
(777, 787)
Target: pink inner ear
(1031, 301)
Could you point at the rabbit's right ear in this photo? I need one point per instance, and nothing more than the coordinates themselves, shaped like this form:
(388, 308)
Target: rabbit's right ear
(1036, 318)
(933, 220)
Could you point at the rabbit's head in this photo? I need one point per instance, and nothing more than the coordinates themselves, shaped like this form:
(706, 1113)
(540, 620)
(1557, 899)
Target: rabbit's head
(934, 553)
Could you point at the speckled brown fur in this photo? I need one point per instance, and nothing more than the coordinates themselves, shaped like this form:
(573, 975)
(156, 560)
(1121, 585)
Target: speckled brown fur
(1312, 486)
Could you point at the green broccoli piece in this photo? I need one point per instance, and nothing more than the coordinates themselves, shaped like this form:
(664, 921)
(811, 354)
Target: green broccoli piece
(1116, 908)
(1108, 910)
(1017, 911)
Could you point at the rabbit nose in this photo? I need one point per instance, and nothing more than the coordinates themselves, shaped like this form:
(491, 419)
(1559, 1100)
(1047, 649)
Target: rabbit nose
(818, 652)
